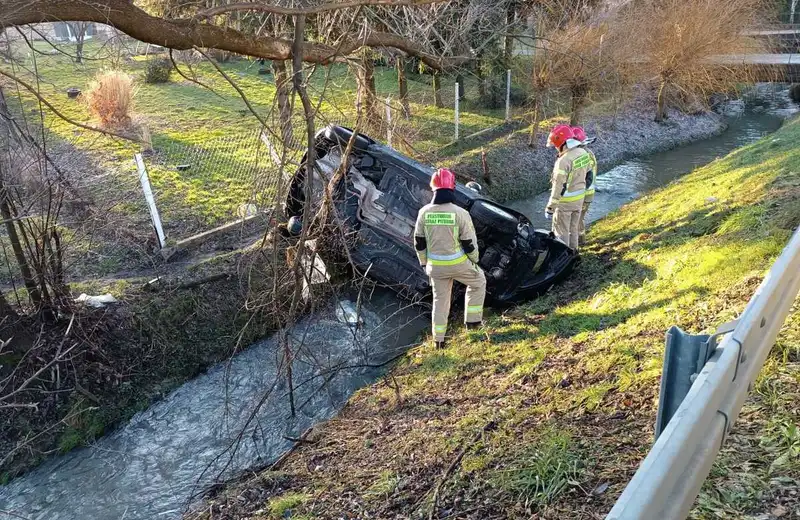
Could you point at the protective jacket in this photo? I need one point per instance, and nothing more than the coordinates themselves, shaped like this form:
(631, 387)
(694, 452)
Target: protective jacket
(447, 247)
(569, 180)
(444, 234)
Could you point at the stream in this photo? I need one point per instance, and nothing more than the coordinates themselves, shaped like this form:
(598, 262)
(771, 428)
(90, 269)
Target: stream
(212, 427)
(629, 180)
(153, 466)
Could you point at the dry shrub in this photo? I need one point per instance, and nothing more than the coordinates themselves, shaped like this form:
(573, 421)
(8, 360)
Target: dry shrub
(677, 41)
(576, 56)
(110, 99)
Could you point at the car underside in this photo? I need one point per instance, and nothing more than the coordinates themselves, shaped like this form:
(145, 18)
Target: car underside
(377, 200)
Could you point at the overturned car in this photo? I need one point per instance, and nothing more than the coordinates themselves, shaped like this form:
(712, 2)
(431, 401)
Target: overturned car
(378, 198)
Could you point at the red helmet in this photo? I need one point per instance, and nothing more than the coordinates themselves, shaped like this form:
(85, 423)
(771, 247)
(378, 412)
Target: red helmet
(559, 135)
(443, 179)
(578, 133)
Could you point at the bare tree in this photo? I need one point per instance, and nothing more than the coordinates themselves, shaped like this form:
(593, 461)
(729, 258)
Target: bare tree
(197, 29)
(677, 42)
(79, 31)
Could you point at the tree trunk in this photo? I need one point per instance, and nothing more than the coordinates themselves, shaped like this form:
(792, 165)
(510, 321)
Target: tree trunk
(365, 89)
(535, 118)
(479, 74)
(402, 86)
(78, 30)
(79, 50)
(5, 204)
(283, 91)
(578, 99)
(661, 109)
(16, 246)
(437, 91)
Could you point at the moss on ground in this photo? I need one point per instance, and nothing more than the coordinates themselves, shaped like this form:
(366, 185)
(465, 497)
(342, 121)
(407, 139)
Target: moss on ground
(548, 411)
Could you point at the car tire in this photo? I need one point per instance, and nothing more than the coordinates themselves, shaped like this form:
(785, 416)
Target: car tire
(486, 214)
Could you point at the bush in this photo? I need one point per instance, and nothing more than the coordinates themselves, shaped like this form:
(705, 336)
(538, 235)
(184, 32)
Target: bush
(110, 99)
(158, 70)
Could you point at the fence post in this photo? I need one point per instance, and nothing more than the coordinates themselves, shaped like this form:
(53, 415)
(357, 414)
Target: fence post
(456, 112)
(389, 121)
(151, 201)
(508, 95)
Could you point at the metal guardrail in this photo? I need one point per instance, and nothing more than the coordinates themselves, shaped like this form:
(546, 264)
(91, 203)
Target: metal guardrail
(669, 479)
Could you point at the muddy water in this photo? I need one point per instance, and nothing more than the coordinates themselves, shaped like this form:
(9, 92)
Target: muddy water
(629, 180)
(212, 426)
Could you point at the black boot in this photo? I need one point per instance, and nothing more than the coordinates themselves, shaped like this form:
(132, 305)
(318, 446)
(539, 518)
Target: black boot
(440, 345)
(474, 325)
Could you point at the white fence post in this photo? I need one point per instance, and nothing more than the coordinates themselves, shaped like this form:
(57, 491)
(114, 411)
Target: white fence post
(151, 201)
(389, 121)
(508, 95)
(457, 113)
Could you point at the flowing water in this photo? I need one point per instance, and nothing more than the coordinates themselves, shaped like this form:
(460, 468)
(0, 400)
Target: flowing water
(629, 180)
(213, 427)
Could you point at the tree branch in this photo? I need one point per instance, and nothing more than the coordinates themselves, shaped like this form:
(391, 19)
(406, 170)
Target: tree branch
(184, 34)
(71, 121)
(293, 11)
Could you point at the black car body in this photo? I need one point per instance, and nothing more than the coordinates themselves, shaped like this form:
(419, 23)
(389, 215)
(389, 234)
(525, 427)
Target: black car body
(378, 199)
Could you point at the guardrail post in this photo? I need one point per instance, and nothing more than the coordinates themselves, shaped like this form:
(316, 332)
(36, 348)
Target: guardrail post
(684, 357)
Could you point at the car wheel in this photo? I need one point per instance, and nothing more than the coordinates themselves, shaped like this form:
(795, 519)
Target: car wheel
(486, 214)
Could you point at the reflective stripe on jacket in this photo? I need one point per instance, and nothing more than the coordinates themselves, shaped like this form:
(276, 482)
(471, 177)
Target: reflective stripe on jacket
(444, 227)
(569, 180)
(591, 177)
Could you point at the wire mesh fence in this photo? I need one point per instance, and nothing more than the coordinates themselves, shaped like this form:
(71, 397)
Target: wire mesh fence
(201, 185)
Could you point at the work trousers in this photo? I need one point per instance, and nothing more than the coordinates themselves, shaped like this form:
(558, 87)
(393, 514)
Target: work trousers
(442, 277)
(582, 229)
(566, 226)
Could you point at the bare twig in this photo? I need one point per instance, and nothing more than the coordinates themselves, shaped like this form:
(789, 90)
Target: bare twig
(295, 11)
(58, 113)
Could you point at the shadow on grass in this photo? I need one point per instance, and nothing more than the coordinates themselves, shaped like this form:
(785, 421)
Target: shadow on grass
(565, 325)
(701, 222)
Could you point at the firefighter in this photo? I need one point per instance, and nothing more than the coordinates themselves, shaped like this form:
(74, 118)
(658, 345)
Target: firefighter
(447, 248)
(591, 175)
(569, 185)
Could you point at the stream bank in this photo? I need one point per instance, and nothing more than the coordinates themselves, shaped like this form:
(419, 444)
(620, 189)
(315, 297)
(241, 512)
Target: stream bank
(149, 445)
(548, 411)
(518, 171)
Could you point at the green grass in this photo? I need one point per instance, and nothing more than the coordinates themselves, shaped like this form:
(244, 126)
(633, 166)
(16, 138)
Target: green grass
(282, 506)
(216, 133)
(561, 393)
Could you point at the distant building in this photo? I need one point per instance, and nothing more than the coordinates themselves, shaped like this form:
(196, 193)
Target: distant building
(62, 31)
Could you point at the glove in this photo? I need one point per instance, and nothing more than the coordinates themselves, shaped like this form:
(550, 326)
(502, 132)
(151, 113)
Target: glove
(548, 214)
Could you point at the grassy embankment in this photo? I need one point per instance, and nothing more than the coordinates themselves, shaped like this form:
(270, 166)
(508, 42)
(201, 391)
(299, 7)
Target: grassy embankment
(182, 114)
(549, 410)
